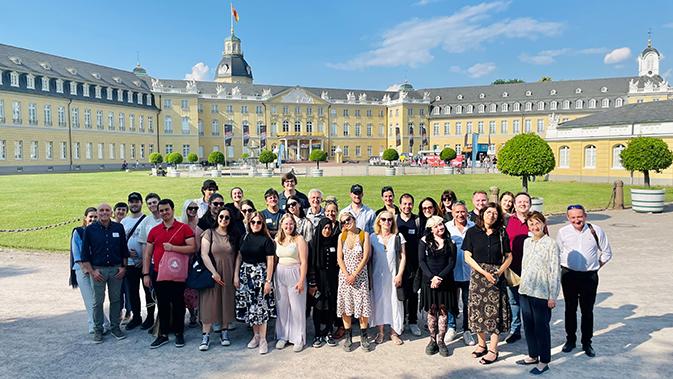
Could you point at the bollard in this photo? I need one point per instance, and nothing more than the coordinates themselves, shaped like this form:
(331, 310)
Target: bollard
(618, 193)
(494, 194)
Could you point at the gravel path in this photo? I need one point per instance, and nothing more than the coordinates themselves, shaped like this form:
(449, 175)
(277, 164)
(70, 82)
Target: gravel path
(43, 328)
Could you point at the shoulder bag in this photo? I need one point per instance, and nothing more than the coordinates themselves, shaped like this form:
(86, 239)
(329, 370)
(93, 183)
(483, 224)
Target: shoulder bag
(513, 280)
(173, 266)
(199, 277)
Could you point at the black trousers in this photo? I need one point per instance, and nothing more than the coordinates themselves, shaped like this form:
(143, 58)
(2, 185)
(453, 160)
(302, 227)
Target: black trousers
(133, 280)
(411, 301)
(171, 302)
(536, 316)
(323, 317)
(579, 287)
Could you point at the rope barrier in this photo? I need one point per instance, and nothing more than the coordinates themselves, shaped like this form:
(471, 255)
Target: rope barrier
(36, 228)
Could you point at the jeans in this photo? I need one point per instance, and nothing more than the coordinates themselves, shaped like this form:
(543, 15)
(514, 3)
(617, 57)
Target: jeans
(464, 288)
(579, 287)
(536, 316)
(171, 302)
(513, 293)
(114, 286)
(86, 290)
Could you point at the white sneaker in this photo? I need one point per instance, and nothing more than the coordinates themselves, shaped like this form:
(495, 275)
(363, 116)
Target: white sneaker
(254, 342)
(450, 335)
(415, 330)
(281, 344)
(468, 339)
(297, 348)
(263, 346)
(205, 342)
(224, 338)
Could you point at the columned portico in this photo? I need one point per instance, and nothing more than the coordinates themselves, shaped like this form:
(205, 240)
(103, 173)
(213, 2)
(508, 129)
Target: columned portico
(299, 148)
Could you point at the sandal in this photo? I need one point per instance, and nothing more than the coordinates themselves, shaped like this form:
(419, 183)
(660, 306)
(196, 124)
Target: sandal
(479, 354)
(379, 338)
(485, 361)
(396, 339)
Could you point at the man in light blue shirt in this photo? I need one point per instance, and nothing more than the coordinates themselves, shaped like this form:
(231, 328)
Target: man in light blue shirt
(364, 216)
(461, 273)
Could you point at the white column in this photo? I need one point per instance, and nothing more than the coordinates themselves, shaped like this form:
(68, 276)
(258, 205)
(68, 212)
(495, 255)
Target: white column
(287, 153)
(298, 157)
(310, 147)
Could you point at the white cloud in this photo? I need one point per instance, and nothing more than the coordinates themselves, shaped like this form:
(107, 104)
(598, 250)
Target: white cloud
(199, 72)
(480, 69)
(455, 69)
(422, 3)
(545, 57)
(393, 87)
(410, 43)
(617, 55)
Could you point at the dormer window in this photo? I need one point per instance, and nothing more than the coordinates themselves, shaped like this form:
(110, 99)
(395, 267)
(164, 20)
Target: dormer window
(552, 92)
(505, 94)
(528, 93)
(73, 88)
(137, 83)
(470, 108)
(120, 95)
(140, 99)
(529, 106)
(604, 89)
(492, 107)
(578, 90)
(97, 92)
(481, 108)
(459, 97)
(59, 85)
(45, 84)
(129, 97)
(481, 95)
(437, 98)
(14, 79)
(15, 60)
(109, 92)
(72, 70)
(30, 81)
(95, 75)
(117, 79)
(516, 107)
(505, 107)
(46, 66)
(85, 90)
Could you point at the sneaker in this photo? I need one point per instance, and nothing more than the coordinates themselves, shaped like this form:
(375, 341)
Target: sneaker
(280, 345)
(450, 335)
(468, 339)
(205, 342)
(97, 337)
(415, 330)
(297, 348)
(263, 346)
(133, 324)
(118, 334)
(159, 341)
(179, 340)
(254, 342)
(432, 348)
(147, 324)
(330, 340)
(318, 342)
(224, 338)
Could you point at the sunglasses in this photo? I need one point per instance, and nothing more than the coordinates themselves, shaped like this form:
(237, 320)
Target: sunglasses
(224, 217)
(428, 208)
(253, 222)
(347, 221)
(247, 210)
(575, 206)
(292, 204)
(192, 208)
(217, 203)
(385, 219)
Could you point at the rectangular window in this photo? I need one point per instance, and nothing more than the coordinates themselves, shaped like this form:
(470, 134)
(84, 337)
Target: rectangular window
(169, 148)
(45, 84)
(357, 130)
(213, 108)
(139, 97)
(185, 125)
(244, 109)
(346, 130)
(185, 150)
(215, 128)
(85, 90)
(16, 112)
(369, 130)
(3, 149)
(73, 88)
(297, 110)
(200, 128)
(274, 129)
(89, 152)
(132, 122)
(258, 109)
(503, 127)
(61, 116)
(540, 126)
(18, 150)
(87, 118)
(99, 120)
(59, 85)
(2, 111)
(150, 124)
(345, 112)
(34, 150)
(14, 79)
(357, 113)
(32, 114)
(76, 151)
(122, 122)
(527, 126)
(167, 103)
(64, 150)
(184, 104)
(516, 127)
(459, 128)
(491, 127)
(358, 152)
(49, 150)
(469, 127)
(141, 124)
(345, 150)
(112, 150)
(168, 125)
(133, 151)
(74, 113)
(122, 151)
(435, 129)
(447, 129)
(230, 108)
(142, 151)
(333, 129)
(480, 127)
(410, 112)
(111, 121)
(129, 97)
(382, 130)
(101, 152)
(30, 81)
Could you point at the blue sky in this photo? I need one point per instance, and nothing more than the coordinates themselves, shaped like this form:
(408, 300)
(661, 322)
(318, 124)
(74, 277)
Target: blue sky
(352, 44)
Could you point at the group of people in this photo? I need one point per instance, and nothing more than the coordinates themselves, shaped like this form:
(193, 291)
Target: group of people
(302, 257)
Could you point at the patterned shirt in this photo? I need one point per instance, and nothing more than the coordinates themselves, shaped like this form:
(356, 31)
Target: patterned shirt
(540, 268)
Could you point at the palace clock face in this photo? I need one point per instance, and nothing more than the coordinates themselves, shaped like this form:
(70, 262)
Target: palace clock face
(224, 69)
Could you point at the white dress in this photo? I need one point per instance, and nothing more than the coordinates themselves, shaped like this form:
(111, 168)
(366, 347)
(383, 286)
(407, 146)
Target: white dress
(387, 309)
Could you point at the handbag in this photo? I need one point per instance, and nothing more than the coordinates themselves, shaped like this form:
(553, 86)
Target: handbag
(511, 277)
(173, 266)
(199, 277)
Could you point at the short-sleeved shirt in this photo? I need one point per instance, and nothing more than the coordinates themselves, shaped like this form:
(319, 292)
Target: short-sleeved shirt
(177, 234)
(256, 247)
(133, 243)
(485, 248)
(272, 220)
(282, 199)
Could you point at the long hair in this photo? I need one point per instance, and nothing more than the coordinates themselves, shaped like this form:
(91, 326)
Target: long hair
(281, 236)
(499, 222)
(86, 212)
(421, 216)
(302, 214)
(432, 243)
(507, 193)
(264, 231)
(377, 225)
(185, 218)
(448, 195)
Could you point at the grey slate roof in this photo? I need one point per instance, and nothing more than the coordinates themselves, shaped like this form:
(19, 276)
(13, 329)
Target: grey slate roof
(639, 113)
(31, 62)
(237, 66)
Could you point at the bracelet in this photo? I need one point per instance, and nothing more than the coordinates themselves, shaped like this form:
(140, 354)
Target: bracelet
(267, 281)
(144, 275)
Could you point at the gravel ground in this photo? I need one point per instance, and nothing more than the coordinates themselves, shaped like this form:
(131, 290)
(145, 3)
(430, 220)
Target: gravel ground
(43, 328)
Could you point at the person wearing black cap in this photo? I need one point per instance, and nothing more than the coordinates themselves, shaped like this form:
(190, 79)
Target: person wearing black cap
(364, 216)
(273, 212)
(208, 188)
(135, 260)
(388, 197)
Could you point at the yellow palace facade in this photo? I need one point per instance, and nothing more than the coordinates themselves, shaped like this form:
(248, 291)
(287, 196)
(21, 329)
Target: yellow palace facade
(59, 114)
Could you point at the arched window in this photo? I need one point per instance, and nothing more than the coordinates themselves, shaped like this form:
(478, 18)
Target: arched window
(605, 103)
(564, 157)
(617, 157)
(590, 156)
(619, 102)
(529, 106)
(592, 103)
(540, 105)
(286, 126)
(470, 108)
(297, 126)
(493, 108)
(505, 107)
(481, 108)
(447, 109)
(579, 104)
(553, 105)
(516, 107)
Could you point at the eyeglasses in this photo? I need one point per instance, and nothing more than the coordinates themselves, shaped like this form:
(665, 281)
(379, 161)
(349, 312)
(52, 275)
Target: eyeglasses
(292, 204)
(253, 222)
(288, 182)
(192, 208)
(224, 217)
(384, 219)
(217, 203)
(247, 210)
(576, 206)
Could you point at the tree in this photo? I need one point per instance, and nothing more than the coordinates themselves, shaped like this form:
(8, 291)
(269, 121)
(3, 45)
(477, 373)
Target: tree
(447, 154)
(507, 81)
(318, 156)
(545, 79)
(245, 156)
(526, 155)
(156, 159)
(645, 154)
(390, 155)
(216, 157)
(174, 158)
(266, 157)
(192, 158)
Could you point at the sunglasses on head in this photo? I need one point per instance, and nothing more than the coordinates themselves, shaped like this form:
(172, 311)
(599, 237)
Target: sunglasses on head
(254, 222)
(192, 208)
(247, 210)
(224, 217)
(218, 203)
(576, 206)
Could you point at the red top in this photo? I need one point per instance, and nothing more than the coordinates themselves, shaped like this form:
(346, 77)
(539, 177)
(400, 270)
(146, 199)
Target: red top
(176, 235)
(517, 232)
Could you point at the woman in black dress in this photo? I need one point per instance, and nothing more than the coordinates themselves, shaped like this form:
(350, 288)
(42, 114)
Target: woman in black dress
(323, 279)
(487, 251)
(427, 208)
(437, 258)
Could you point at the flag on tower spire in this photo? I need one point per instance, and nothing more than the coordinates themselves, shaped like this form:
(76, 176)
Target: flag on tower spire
(234, 12)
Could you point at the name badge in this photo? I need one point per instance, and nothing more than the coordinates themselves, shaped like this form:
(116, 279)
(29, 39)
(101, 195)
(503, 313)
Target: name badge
(332, 250)
(269, 221)
(115, 235)
(412, 231)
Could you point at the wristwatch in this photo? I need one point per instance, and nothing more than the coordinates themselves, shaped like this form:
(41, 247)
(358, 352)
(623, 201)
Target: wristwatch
(267, 281)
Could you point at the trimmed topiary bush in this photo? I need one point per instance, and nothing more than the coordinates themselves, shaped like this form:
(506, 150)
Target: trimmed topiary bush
(447, 155)
(318, 156)
(266, 157)
(192, 158)
(216, 157)
(390, 155)
(646, 154)
(526, 155)
(156, 159)
(174, 158)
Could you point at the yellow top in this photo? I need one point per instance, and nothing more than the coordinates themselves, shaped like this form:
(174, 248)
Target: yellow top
(287, 255)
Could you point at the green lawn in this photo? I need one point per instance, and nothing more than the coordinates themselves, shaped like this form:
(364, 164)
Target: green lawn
(35, 200)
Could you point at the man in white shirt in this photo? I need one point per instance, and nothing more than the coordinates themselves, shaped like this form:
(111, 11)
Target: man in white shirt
(315, 211)
(584, 250)
(364, 216)
(134, 269)
(152, 201)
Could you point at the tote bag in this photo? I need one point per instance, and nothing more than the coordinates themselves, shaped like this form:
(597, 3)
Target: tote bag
(173, 266)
